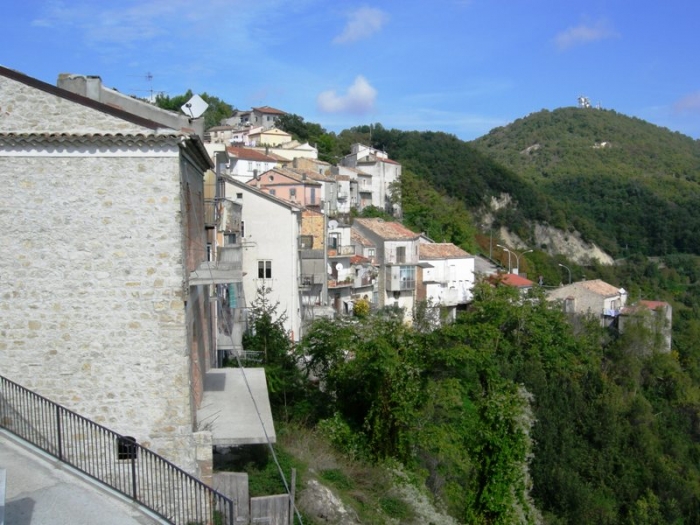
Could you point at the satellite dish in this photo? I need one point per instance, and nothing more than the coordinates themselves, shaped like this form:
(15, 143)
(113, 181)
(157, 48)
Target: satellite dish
(339, 266)
(194, 107)
(332, 224)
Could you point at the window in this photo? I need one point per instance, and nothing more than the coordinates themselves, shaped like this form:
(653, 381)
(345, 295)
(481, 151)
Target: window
(230, 238)
(273, 192)
(264, 269)
(370, 252)
(239, 196)
(401, 255)
(306, 242)
(242, 229)
(292, 193)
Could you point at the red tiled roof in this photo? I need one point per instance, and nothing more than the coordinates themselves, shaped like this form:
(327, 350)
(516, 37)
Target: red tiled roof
(653, 305)
(387, 230)
(600, 287)
(249, 154)
(358, 259)
(441, 250)
(268, 109)
(510, 279)
(360, 239)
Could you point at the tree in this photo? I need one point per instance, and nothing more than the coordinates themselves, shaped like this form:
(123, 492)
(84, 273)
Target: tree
(266, 334)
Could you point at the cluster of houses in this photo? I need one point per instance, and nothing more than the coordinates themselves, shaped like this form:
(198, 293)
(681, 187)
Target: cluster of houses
(134, 242)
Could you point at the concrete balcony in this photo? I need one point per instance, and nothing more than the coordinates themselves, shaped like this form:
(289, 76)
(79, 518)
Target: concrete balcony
(228, 269)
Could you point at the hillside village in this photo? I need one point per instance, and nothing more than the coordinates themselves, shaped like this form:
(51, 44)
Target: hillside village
(135, 241)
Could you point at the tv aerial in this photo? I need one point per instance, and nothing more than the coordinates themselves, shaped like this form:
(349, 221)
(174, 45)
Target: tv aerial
(194, 107)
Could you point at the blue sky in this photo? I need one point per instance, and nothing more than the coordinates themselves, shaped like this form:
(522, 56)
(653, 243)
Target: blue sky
(459, 66)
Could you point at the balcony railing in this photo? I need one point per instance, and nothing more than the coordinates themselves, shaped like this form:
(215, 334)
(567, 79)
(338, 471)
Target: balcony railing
(112, 459)
(341, 251)
(365, 280)
(333, 283)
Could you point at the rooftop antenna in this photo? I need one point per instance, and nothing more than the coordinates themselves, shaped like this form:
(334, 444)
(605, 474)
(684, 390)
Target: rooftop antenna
(149, 78)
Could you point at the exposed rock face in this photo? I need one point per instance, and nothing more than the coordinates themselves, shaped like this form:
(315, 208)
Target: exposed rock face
(323, 506)
(546, 238)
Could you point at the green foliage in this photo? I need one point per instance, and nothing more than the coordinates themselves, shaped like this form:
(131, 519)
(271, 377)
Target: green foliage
(637, 194)
(267, 335)
(396, 508)
(512, 411)
(361, 308)
(442, 218)
(329, 149)
(337, 478)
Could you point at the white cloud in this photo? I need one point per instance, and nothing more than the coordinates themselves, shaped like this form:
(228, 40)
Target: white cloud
(362, 23)
(584, 34)
(688, 104)
(359, 99)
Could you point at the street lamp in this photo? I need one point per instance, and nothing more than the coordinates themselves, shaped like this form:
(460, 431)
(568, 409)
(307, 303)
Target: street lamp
(517, 260)
(568, 270)
(507, 251)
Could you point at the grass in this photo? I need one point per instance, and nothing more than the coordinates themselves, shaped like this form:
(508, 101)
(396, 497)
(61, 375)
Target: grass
(369, 491)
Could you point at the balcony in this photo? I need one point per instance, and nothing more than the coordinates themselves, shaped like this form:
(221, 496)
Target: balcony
(228, 269)
(363, 281)
(310, 281)
(342, 196)
(341, 251)
(400, 278)
(332, 283)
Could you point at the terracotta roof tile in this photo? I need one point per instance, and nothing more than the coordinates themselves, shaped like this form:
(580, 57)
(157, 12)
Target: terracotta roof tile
(360, 239)
(600, 287)
(249, 154)
(441, 250)
(387, 230)
(510, 279)
(268, 109)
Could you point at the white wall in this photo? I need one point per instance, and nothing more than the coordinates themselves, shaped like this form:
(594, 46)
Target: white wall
(271, 233)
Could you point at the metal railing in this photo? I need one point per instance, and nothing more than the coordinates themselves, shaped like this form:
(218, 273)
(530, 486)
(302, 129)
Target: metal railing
(112, 459)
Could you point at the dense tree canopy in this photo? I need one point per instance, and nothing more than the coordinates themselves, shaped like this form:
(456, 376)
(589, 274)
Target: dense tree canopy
(513, 412)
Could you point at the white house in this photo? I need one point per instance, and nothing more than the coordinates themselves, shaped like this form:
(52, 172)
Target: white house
(271, 235)
(397, 258)
(380, 171)
(445, 277)
(246, 163)
(595, 297)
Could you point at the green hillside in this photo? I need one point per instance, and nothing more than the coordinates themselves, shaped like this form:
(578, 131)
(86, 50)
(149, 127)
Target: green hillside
(630, 186)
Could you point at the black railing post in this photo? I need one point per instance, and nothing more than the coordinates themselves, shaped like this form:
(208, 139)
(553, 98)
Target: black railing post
(59, 433)
(134, 492)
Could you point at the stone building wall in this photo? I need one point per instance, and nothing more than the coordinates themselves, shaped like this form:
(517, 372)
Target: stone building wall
(92, 312)
(100, 219)
(27, 109)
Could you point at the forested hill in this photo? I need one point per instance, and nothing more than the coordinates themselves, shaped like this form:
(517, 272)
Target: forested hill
(630, 186)
(456, 168)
